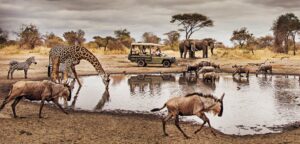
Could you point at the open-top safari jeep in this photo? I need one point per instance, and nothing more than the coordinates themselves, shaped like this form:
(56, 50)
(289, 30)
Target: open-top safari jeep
(149, 53)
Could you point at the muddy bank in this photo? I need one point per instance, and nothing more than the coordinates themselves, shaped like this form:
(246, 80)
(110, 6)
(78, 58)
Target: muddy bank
(107, 127)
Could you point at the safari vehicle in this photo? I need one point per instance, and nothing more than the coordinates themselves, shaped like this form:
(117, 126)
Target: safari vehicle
(149, 53)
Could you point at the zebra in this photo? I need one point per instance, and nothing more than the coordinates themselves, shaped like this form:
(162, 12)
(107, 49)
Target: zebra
(15, 65)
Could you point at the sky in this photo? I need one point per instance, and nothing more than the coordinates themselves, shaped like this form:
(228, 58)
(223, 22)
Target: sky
(102, 17)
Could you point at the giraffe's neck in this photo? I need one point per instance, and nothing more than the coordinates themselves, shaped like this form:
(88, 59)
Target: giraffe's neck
(87, 55)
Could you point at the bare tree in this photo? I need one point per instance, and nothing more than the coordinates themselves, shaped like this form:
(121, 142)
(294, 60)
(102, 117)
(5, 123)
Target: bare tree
(149, 37)
(191, 22)
(173, 38)
(29, 36)
(74, 38)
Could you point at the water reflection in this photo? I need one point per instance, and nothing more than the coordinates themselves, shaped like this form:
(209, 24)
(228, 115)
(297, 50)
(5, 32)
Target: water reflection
(261, 102)
(153, 82)
(104, 99)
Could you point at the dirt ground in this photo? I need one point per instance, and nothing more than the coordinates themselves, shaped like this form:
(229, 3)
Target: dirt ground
(86, 127)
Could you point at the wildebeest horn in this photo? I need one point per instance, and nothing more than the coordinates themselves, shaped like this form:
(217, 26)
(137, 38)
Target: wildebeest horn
(222, 96)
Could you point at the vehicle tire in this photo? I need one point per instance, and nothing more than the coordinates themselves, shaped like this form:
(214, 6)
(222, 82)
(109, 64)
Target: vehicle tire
(166, 63)
(145, 64)
(141, 63)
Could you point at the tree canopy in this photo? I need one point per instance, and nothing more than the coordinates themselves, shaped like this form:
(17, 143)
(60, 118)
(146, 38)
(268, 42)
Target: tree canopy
(241, 36)
(74, 38)
(29, 36)
(149, 37)
(173, 37)
(191, 22)
(285, 26)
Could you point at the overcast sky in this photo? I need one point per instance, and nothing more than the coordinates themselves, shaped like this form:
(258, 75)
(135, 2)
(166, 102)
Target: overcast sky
(102, 17)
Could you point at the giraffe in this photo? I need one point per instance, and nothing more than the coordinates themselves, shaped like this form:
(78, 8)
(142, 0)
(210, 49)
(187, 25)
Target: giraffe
(71, 56)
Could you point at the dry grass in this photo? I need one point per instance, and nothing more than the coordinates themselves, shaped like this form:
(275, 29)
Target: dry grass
(14, 49)
(233, 54)
(220, 53)
(109, 52)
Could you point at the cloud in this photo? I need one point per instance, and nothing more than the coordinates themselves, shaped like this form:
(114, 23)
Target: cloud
(102, 17)
(277, 3)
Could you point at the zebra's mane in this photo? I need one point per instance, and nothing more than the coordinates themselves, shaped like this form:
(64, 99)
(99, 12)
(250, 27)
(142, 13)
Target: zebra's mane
(29, 59)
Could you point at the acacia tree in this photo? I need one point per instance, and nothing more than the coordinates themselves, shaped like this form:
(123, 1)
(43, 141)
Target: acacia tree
(124, 37)
(29, 36)
(173, 38)
(52, 40)
(191, 22)
(3, 37)
(149, 37)
(74, 38)
(241, 36)
(287, 25)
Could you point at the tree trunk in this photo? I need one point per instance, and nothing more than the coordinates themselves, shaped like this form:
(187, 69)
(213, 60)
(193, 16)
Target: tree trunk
(294, 42)
(287, 45)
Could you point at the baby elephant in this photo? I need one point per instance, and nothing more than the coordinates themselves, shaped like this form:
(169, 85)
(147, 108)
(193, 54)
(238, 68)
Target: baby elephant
(37, 90)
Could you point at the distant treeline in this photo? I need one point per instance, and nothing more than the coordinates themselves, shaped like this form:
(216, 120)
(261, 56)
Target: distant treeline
(285, 29)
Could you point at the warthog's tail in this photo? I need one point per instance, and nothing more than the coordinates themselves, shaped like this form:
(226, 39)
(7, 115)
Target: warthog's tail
(158, 109)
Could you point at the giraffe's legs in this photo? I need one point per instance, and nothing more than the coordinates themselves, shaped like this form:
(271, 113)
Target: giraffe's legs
(75, 75)
(55, 66)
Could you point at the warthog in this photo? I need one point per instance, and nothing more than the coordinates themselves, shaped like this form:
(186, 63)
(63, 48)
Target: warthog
(37, 90)
(210, 76)
(191, 68)
(240, 69)
(265, 68)
(192, 104)
(206, 63)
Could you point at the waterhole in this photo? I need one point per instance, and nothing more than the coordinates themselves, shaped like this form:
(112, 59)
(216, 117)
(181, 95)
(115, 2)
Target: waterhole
(254, 106)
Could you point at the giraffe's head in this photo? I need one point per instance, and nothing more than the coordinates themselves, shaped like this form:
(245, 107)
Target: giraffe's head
(105, 79)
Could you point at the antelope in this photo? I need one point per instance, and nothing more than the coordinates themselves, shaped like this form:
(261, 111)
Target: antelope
(192, 104)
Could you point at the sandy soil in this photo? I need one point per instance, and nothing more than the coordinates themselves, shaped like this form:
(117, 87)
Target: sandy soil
(85, 127)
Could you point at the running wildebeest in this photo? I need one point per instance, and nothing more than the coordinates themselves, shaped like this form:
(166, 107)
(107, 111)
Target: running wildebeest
(37, 90)
(265, 68)
(192, 104)
(240, 69)
(15, 65)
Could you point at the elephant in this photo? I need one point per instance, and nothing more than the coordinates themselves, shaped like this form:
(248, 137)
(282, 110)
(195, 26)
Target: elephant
(196, 45)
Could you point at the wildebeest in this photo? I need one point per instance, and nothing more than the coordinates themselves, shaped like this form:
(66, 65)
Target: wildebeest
(192, 104)
(37, 90)
(196, 45)
(239, 69)
(265, 68)
(15, 65)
